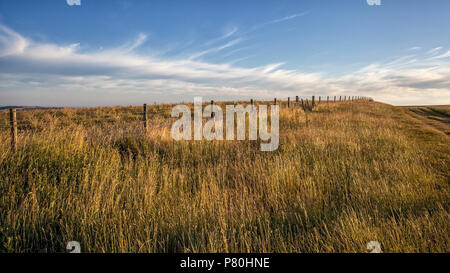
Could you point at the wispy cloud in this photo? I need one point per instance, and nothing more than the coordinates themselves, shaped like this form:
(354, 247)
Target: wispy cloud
(216, 49)
(442, 56)
(39, 67)
(230, 31)
(290, 17)
(415, 48)
(434, 50)
(142, 37)
(275, 21)
(11, 43)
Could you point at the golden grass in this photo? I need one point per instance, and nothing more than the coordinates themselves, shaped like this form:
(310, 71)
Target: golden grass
(352, 172)
(437, 117)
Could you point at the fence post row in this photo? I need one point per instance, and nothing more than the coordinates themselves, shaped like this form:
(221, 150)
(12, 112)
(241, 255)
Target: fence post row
(13, 122)
(305, 105)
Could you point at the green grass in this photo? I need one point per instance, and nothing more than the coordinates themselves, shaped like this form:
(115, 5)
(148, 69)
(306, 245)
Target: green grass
(354, 172)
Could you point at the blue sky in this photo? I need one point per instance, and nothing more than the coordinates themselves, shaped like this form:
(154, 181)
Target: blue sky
(110, 52)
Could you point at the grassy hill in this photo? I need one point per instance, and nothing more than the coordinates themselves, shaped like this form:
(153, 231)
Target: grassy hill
(345, 174)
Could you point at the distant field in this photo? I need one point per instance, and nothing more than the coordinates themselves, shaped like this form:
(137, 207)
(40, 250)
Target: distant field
(345, 174)
(437, 116)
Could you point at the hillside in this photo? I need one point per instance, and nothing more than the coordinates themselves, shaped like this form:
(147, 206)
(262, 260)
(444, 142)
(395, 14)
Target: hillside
(345, 174)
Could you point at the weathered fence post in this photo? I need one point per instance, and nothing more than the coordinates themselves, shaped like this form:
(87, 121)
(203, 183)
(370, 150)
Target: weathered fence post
(334, 98)
(340, 98)
(13, 122)
(212, 113)
(275, 101)
(296, 99)
(289, 102)
(251, 101)
(319, 100)
(328, 99)
(345, 98)
(145, 117)
(303, 105)
(312, 102)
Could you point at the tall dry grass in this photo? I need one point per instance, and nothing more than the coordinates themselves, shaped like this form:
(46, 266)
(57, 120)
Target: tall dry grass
(345, 174)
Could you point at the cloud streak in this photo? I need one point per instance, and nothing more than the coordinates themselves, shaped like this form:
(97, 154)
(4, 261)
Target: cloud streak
(275, 21)
(40, 67)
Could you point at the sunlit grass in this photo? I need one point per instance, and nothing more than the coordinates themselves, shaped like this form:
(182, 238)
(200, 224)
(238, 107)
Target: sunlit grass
(345, 174)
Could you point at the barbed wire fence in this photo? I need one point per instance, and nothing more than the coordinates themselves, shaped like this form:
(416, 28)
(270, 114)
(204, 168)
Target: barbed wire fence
(306, 104)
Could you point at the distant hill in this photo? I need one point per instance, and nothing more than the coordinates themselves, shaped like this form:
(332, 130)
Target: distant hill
(27, 107)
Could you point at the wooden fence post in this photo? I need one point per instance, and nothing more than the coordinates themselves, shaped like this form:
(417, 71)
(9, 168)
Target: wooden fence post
(312, 102)
(145, 117)
(212, 113)
(275, 101)
(289, 102)
(303, 105)
(296, 99)
(13, 121)
(334, 98)
(319, 100)
(328, 99)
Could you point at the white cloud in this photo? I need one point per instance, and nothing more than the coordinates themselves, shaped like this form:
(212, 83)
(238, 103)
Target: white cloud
(73, 2)
(290, 17)
(11, 43)
(140, 40)
(216, 49)
(415, 48)
(434, 50)
(230, 31)
(38, 67)
(275, 21)
(444, 55)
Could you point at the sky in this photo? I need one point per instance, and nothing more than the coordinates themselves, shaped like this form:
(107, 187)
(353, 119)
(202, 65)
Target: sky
(124, 52)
